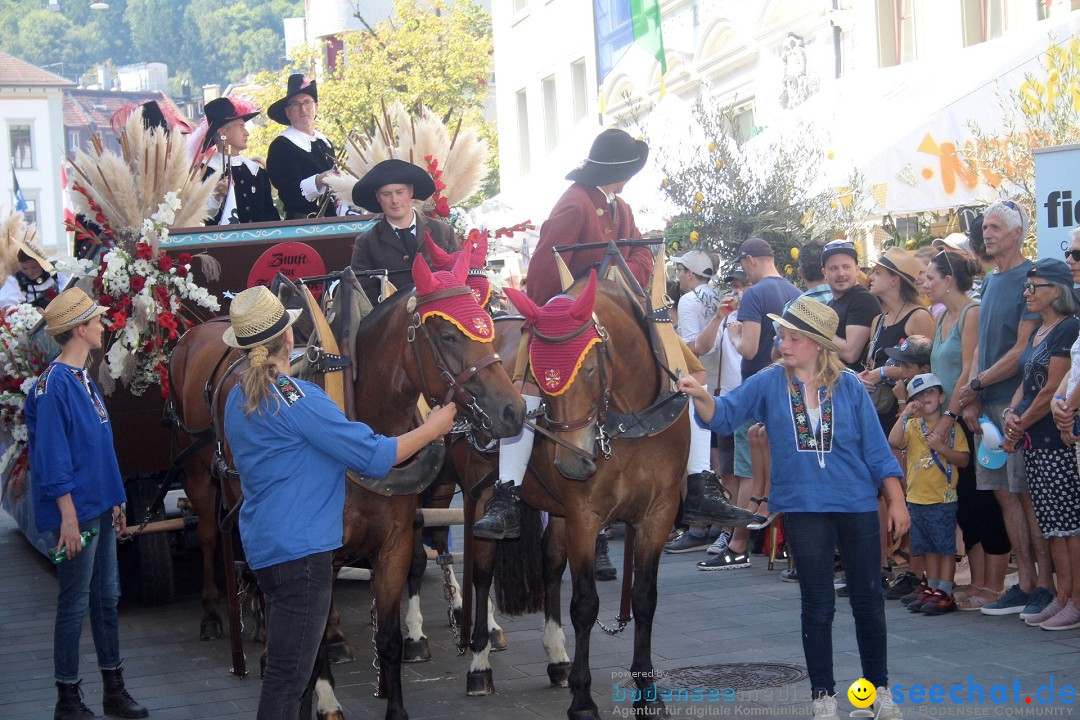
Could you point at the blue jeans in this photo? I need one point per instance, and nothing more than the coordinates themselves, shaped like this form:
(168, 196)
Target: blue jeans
(297, 605)
(813, 537)
(89, 580)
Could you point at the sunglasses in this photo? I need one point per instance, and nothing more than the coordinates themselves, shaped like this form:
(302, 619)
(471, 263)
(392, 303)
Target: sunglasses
(1032, 287)
(948, 261)
(1074, 254)
(839, 245)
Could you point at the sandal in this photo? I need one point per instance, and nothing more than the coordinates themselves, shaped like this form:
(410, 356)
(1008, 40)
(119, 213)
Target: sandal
(975, 602)
(760, 521)
(903, 562)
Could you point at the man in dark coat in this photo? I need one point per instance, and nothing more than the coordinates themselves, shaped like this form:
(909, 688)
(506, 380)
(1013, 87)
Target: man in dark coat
(300, 157)
(390, 188)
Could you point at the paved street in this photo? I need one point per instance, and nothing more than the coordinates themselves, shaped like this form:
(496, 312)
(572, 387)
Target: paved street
(739, 617)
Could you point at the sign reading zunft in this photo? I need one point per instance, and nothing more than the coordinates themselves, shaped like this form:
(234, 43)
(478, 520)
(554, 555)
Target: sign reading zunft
(1057, 198)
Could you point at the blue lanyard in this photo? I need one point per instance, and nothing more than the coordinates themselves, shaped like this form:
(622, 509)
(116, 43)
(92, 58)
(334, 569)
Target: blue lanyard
(946, 469)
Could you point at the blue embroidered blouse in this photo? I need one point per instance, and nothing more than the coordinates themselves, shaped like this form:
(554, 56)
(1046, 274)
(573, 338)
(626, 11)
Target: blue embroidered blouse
(291, 456)
(856, 453)
(71, 447)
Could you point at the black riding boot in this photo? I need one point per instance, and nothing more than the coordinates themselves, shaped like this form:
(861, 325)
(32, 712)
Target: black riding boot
(502, 516)
(707, 502)
(116, 700)
(69, 704)
(604, 569)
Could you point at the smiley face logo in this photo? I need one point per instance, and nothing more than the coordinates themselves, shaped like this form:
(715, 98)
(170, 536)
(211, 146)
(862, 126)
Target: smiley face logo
(861, 693)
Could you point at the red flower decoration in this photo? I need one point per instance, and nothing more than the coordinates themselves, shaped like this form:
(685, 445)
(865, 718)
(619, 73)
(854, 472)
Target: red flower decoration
(161, 294)
(119, 321)
(182, 271)
(184, 258)
(138, 282)
(164, 262)
(50, 293)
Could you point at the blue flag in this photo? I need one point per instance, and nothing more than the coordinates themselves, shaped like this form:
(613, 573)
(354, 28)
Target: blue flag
(20, 199)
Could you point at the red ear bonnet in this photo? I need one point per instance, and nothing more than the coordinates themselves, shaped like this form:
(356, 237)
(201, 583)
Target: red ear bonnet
(524, 305)
(440, 259)
(582, 308)
(425, 281)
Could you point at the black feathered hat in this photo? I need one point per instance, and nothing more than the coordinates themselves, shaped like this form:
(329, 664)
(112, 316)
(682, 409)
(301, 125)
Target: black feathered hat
(152, 116)
(389, 172)
(219, 113)
(614, 157)
(298, 84)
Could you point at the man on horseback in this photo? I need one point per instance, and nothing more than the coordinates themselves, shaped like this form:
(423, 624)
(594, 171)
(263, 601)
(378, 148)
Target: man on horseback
(590, 211)
(390, 187)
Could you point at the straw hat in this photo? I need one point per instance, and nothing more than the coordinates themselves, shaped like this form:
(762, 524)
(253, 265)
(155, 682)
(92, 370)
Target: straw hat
(36, 252)
(69, 309)
(900, 262)
(256, 318)
(813, 319)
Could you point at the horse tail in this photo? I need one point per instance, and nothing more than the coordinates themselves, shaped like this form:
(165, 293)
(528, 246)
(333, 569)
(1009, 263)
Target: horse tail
(519, 571)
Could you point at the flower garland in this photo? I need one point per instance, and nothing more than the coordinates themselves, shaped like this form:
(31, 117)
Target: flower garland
(442, 207)
(22, 361)
(149, 295)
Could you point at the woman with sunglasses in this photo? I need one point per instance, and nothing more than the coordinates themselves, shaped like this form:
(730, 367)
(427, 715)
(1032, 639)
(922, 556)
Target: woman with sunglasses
(949, 278)
(1052, 472)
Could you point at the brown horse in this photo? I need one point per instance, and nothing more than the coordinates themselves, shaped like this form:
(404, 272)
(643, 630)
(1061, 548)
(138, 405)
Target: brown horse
(586, 475)
(398, 356)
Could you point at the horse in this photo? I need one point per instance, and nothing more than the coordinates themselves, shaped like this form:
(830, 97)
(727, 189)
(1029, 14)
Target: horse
(400, 352)
(586, 473)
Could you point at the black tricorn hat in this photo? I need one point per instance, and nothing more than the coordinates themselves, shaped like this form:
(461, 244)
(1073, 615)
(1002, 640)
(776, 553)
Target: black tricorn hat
(219, 113)
(614, 157)
(389, 172)
(297, 84)
(152, 116)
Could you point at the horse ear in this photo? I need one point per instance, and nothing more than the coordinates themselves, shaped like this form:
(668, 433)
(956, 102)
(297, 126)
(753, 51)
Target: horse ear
(461, 266)
(524, 305)
(422, 277)
(440, 259)
(583, 304)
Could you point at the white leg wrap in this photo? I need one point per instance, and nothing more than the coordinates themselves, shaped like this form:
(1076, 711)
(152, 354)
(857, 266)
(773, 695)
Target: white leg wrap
(555, 642)
(514, 452)
(699, 459)
(414, 620)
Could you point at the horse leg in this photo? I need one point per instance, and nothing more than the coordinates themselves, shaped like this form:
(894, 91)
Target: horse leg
(390, 575)
(202, 494)
(322, 684)
(495, 631)
(338, 649)
(648, 545)
(554, 640)
(416, 643)
(479, 680)
(584, 607)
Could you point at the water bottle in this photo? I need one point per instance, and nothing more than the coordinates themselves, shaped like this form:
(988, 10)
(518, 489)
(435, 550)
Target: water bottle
(58, 556)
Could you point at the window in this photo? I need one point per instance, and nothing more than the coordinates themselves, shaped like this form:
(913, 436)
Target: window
(524, 159)
(551, 113)
(22, 150)
(73, 140)
(896, 32)
(521, 5)
(743, 120)
(30, 214)
(982, 20)
(577, 85)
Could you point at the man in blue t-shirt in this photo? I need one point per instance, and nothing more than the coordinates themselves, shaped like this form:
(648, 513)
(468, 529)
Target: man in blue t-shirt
(1004, 328)
(752, 335)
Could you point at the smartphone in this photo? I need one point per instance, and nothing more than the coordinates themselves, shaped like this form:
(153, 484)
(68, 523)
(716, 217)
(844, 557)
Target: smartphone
(1076, 426)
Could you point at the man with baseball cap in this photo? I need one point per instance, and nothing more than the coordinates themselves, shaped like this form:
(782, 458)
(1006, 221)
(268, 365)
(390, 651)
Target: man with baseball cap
(853, 303)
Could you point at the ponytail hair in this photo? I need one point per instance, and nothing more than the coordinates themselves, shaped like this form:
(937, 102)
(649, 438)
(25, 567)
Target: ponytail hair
(256, 378)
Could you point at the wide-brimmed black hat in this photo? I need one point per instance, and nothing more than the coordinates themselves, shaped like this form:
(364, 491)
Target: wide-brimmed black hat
(219, 113)
(152, 116)
(390, 172)
(614, 157)
(298, 84)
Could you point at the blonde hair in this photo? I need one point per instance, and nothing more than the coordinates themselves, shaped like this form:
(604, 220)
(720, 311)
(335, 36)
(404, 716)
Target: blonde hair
(826, 373)
(256, 378)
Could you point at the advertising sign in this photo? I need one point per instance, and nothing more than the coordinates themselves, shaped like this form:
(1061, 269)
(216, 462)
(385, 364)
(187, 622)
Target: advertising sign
(1057, 198)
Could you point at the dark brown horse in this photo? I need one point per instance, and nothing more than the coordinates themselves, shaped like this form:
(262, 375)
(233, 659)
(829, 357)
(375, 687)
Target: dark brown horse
(586, 475)
(397, 358)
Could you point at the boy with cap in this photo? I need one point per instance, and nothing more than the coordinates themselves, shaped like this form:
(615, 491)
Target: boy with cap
(931, 489)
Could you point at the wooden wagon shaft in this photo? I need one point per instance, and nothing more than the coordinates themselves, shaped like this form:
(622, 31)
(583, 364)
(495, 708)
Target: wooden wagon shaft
(435, 517)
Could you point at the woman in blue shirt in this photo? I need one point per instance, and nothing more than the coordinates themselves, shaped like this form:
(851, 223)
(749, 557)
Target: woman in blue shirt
(291, 445)
(829, 458)
(77, 488)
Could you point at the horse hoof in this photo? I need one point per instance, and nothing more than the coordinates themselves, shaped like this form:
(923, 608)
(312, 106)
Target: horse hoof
(457, 617)
(416, 651)
(340, 652)
(210, 630)
(497, 638)
(559, 675)
(479, 682)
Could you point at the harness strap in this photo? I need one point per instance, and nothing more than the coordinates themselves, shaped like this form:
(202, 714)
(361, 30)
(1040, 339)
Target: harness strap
(442, 294)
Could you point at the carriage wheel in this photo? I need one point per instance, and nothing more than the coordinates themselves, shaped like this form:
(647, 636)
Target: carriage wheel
(149, 566)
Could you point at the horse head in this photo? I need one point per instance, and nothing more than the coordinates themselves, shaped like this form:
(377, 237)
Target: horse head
(453, 340)
(569, 359)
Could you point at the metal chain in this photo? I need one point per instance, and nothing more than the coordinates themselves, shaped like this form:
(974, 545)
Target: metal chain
(616, 631)
(446, 562)
(374, 631)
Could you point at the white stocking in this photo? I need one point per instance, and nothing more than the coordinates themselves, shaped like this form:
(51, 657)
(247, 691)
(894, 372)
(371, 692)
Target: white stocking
(514, 452)
(700, 455)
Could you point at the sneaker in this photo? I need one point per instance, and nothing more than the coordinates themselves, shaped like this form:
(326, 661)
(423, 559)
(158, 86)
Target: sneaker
(924, 597)
(915, 592)
(939, 603)
(1067, 619)
(789, 575)
(1011, 603)
(824, 708)
(904, 584)
(1039, 600)
(687, 542)
(725, 561)
(884, 707)
(720, 545)
(1048, 612)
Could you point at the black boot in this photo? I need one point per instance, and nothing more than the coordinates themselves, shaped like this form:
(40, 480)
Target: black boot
(502, 516)
(604, 569)
(69, 704)
(707, 502)
(115, 699)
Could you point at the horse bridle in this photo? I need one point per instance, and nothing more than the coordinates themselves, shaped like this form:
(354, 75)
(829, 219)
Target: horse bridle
(455, 382)
(597, 415)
